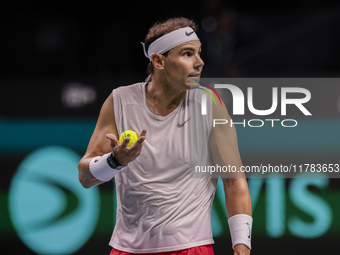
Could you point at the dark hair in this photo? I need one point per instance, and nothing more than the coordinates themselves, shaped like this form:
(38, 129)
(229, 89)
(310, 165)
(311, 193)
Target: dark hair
(161, 28)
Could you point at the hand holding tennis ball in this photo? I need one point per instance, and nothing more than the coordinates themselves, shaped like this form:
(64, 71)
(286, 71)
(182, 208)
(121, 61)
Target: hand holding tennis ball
(128, 134)
(123, 152)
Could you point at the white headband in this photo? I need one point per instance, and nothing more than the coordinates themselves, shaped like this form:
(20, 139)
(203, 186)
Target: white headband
(170, 40)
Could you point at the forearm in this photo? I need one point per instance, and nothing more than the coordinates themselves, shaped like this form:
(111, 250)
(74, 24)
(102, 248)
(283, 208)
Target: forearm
(237, 196)
(239, 211)
(85, 176)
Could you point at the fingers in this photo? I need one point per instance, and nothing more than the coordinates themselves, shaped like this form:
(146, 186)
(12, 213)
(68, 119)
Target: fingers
(143, 132)
(125, 143)
(138, 144)
(113, 139)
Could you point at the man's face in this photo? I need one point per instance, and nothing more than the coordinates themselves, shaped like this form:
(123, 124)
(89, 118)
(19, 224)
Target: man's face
(183, 64)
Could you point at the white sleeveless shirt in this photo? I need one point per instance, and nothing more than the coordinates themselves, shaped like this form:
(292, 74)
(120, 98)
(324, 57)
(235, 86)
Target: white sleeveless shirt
(160, 205)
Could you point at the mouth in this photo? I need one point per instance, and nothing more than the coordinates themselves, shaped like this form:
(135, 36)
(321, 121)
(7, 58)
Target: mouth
(197, 75)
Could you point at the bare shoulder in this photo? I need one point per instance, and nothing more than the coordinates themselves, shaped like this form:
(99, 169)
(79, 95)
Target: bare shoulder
(106, 120)
(107, 107)
(221, 118)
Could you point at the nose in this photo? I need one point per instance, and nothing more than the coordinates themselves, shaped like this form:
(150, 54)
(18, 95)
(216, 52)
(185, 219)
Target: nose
(199, 62)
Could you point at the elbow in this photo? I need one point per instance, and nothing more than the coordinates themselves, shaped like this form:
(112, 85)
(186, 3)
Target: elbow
(83, 181)
(82, 176)
(85, 177)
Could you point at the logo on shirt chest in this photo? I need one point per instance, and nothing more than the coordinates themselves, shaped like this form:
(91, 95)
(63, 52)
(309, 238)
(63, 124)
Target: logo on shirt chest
(179, 125)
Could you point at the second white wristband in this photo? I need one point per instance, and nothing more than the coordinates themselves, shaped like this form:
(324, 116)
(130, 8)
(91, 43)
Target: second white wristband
(240, 226)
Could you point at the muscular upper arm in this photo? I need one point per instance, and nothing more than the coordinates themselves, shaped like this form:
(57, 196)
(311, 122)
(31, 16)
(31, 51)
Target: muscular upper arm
(106, 124)
(223, 141)
(224, 148)
(99, 144)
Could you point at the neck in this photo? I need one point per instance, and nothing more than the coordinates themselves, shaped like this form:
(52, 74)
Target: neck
(161, 97)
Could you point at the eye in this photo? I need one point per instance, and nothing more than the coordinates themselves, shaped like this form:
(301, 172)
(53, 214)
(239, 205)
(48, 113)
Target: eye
(187, 54)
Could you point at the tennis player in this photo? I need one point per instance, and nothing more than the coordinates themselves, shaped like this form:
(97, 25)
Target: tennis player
(162, 208)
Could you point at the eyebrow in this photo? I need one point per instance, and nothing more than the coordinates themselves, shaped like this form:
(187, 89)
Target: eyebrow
(191, 49)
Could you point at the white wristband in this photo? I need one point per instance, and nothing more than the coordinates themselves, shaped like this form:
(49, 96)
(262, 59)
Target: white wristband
(240, 229)
(101, 170)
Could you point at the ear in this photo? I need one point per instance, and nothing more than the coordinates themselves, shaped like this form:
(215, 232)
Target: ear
(157, 60)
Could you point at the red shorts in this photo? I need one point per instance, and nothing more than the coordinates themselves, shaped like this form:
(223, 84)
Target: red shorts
(199, 250)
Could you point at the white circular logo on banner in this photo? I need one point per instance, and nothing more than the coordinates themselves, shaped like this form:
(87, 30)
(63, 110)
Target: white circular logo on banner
(50, 210)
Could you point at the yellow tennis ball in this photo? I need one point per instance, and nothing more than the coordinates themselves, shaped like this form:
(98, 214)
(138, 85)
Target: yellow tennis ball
(129, 133)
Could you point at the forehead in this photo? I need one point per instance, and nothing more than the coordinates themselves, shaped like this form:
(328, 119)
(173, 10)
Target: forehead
(196, 45)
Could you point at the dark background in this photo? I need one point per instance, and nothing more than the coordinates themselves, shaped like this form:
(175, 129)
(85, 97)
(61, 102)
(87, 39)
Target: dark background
(48, 48)
(46, 45)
